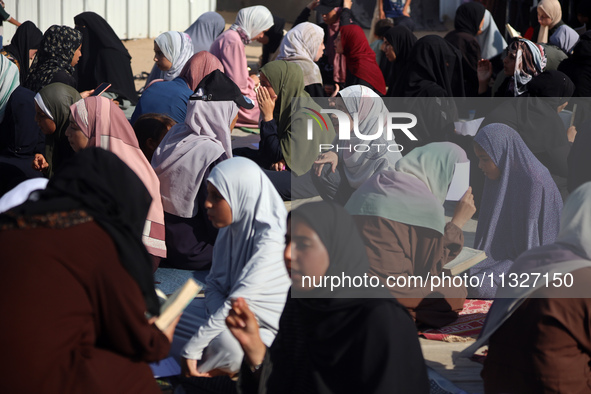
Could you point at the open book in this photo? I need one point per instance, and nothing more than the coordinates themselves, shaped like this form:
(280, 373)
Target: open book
(467, 258)
(512, 32)
(176, 303)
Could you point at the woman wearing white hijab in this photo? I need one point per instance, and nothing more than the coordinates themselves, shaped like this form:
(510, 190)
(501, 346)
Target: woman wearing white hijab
(250, 25)
(172, 50)
(304, 45)
(247, 262)
(350, 167)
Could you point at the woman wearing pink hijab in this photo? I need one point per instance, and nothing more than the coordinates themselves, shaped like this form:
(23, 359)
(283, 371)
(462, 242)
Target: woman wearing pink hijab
(250, 25)
(98, 121)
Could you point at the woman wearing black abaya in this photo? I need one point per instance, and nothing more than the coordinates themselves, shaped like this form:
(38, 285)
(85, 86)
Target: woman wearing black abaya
(26, 39)
(468, 24)
(536, 120)
(104, 58)
(398, 42)
(346, 340)
(578, 66)
(434, 79)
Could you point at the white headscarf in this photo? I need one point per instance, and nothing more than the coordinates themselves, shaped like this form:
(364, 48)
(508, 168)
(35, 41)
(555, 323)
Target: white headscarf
(9, 81)
(177, 47)
(188, 149)
(300, 45)
(491, 40)
(363, 102)
(248, 254)
(252, 21)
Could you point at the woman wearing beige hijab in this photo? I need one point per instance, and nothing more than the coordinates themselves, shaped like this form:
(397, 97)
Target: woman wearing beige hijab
(550, 19)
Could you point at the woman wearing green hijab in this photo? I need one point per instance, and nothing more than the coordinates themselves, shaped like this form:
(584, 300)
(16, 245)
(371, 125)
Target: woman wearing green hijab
(52, 106)
(284, 145)
(401, 219)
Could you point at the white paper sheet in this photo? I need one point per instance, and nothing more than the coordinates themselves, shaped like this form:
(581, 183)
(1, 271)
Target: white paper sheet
(460, 182)
(469, 127)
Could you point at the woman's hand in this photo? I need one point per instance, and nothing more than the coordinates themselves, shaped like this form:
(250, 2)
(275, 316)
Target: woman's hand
(279, 166)
(347, 4)
(266, 103)
(324, 158)
(86, 93)
(571, 133)
(189, 368)
(245, 328)
(168, 331)
(465, 209)
(39, 162)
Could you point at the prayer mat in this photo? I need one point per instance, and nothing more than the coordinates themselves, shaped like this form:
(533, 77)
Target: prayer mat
(466, 328)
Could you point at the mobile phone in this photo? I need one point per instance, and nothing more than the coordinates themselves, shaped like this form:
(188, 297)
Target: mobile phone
(101, 89)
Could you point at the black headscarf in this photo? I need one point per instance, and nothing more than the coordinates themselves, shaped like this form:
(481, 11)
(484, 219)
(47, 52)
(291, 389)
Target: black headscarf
(328, 345)
(104, 57)
(26, 37)
(468, 18)
(55, 54)
(98, 182)
(275, 34)
(402, 40)
(434, 70)
(578, 66)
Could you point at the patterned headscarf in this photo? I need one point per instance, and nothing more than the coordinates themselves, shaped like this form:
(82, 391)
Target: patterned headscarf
(530, 60)
(55, 54)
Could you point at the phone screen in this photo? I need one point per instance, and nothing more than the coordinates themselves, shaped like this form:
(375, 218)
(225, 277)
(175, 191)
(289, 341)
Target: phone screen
(101, 89)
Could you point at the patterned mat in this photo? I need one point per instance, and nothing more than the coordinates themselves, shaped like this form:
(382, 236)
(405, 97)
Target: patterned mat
(466, 328)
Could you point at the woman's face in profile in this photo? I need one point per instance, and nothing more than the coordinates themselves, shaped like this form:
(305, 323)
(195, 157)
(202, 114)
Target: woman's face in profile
(161, 61)
(45, 123)
(305, 255)
(486, 163)
(219, 212)
(76, 137)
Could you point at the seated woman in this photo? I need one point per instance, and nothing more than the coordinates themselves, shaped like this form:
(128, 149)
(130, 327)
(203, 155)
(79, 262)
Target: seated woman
(52, 106)
(491, 40)
(565, 38)
(247, 262)
(79, 284)
(540, 343)
(172, 50)
(150, 129)
(98, 121)
(341, 170)
(184, 160)
(536, 120)
(520, 207)
(517, 74)
(20, 137)
(549, 18)
(250, 25)
(171, 97)
(284, 147)
(23, 47)
(578, 66)
(59, 52)
(105, 58)
(350, 340)
(398, 43)
(362, 68)
(468, 25)
(402, 224)
(205, 30)
(304, 45)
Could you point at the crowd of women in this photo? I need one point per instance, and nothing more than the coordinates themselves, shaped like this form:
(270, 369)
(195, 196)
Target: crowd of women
(100, 189)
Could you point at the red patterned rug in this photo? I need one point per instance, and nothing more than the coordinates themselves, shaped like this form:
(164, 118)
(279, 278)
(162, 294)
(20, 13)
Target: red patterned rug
(466, 328)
